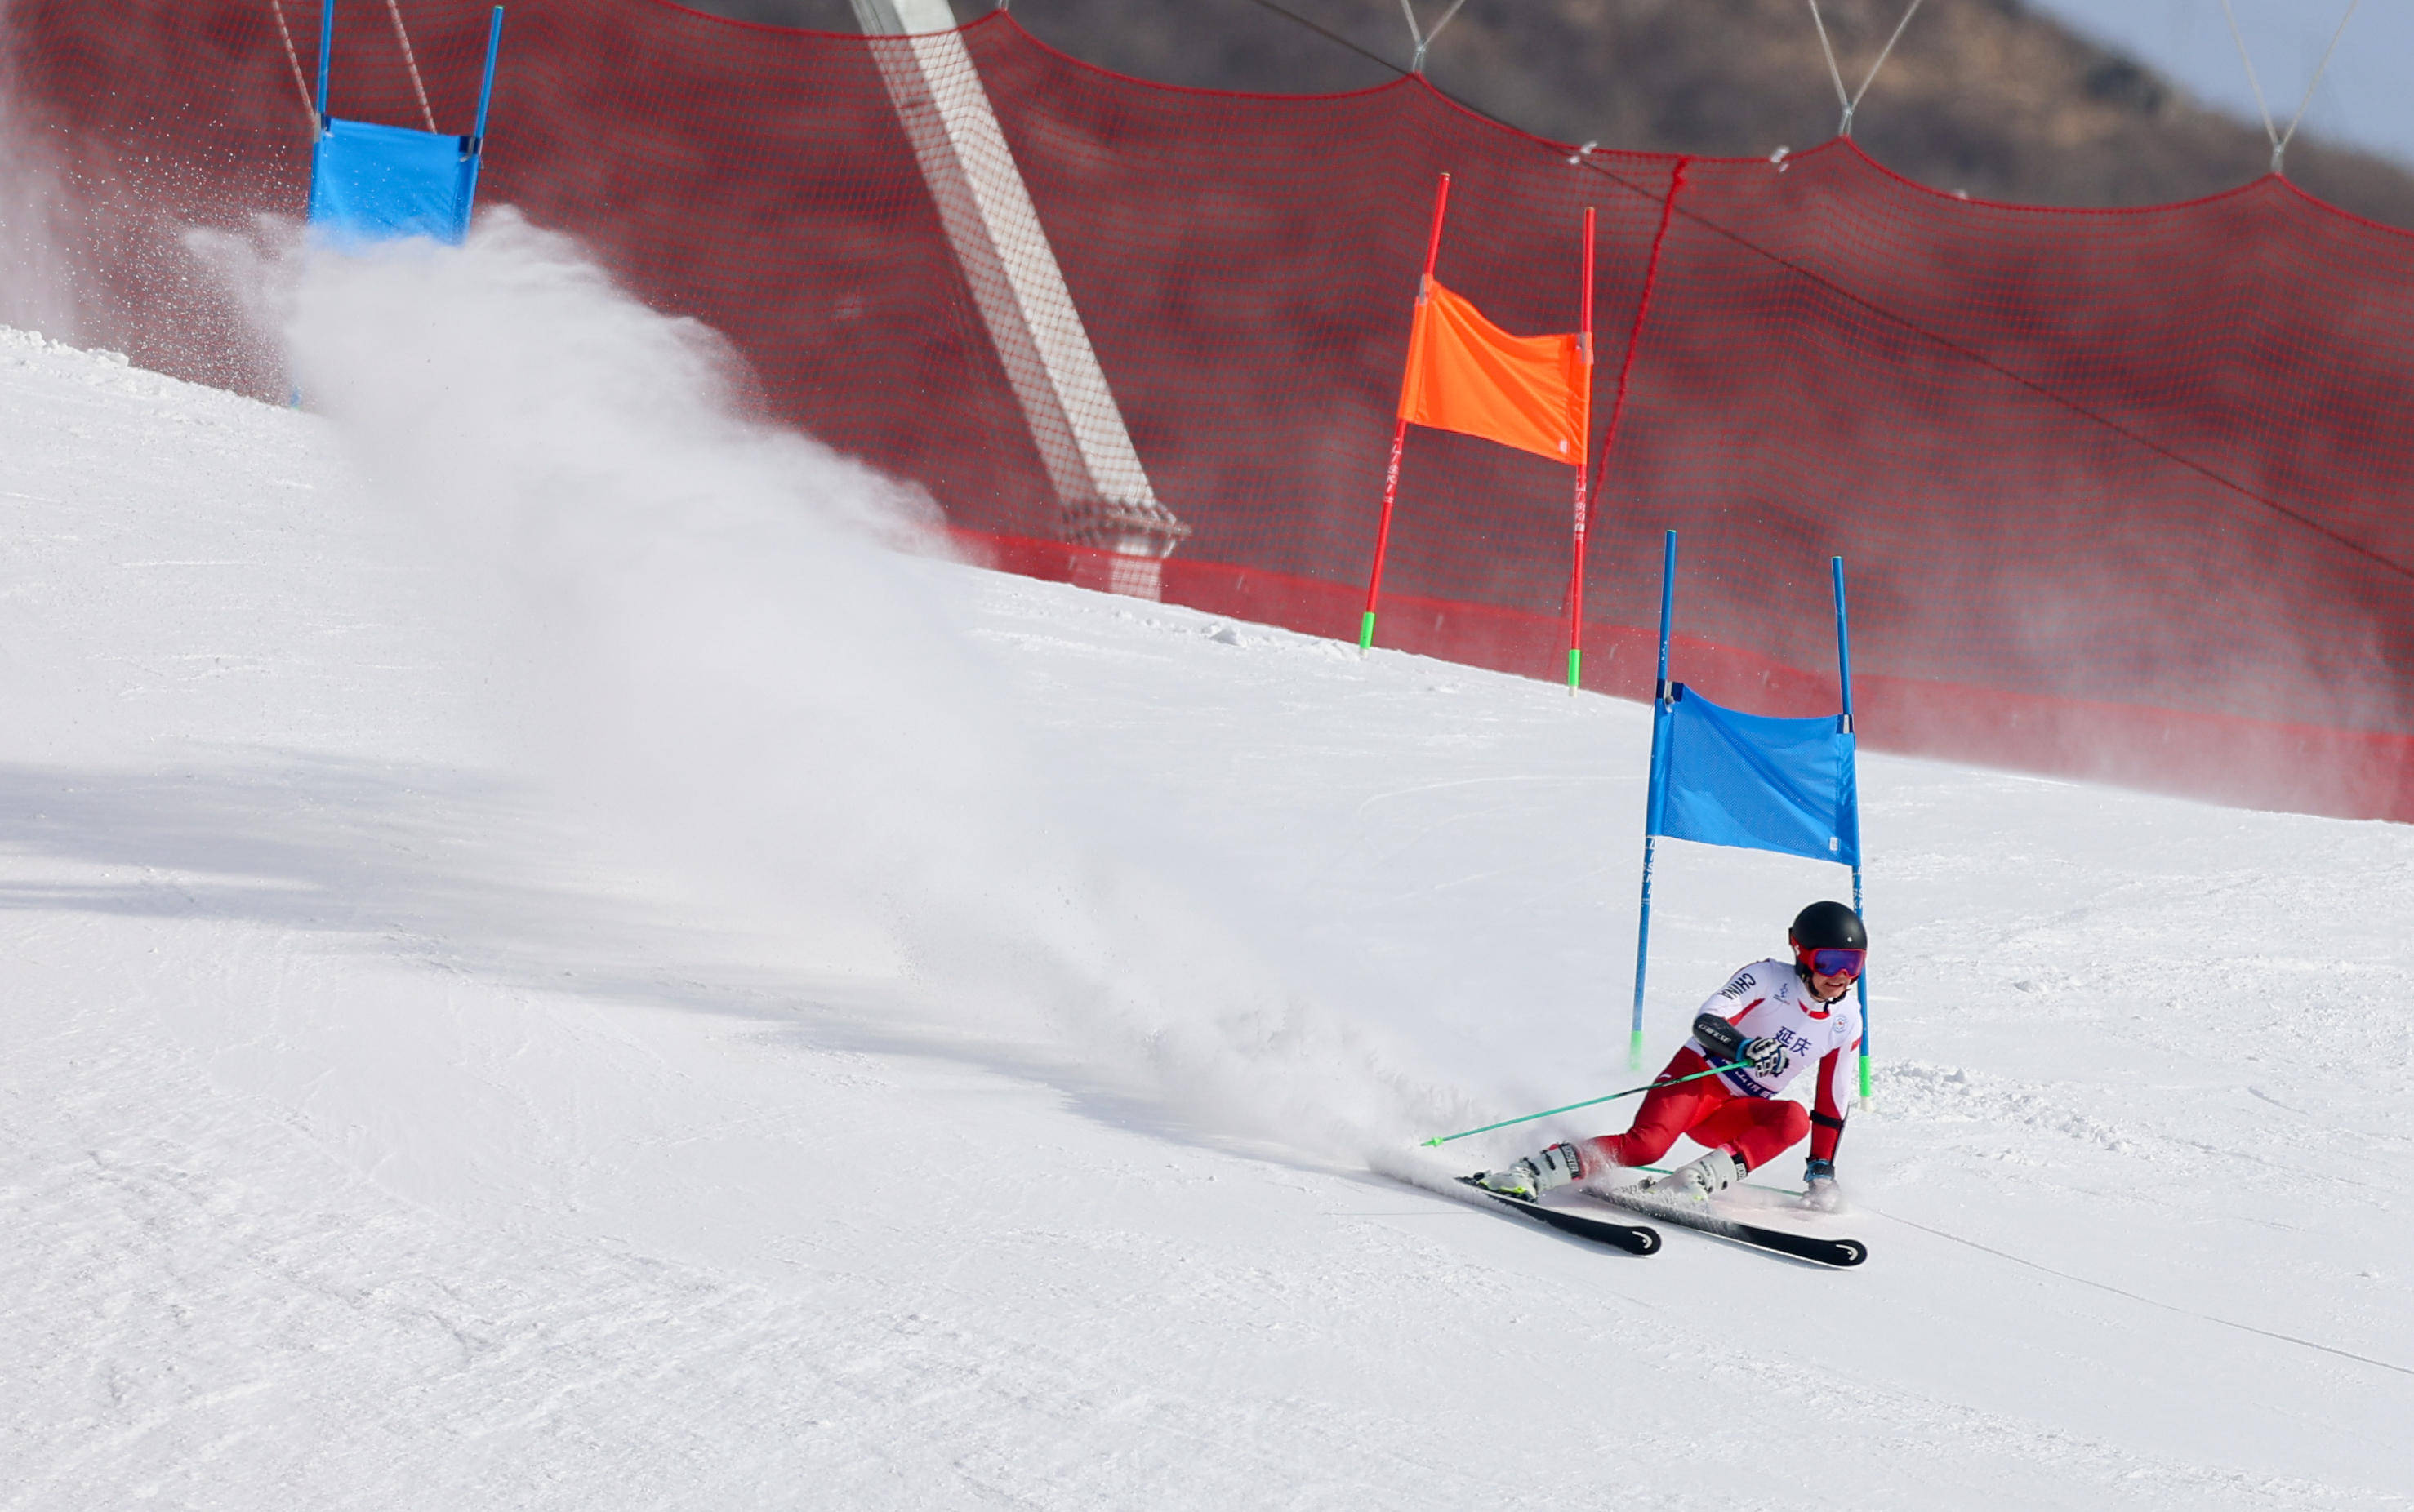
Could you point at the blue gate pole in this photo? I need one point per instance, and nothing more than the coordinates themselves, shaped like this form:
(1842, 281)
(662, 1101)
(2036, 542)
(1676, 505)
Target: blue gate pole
(1844, 672)
(475, 148)
(318, 143)
(326, 51)
(487, 88)
(1652, 801)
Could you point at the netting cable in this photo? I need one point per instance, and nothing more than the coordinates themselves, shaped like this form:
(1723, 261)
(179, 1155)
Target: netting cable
(1329, 36)
(1852, 102)
(294, 59)
(1835, 73)
(1424, 40)
(2256, 85)
(2278, 138)
(394, 9)
(1884, 52)
(2311, 84)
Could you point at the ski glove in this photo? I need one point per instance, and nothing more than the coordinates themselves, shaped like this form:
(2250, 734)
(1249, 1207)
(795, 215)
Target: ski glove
(1762, 1055)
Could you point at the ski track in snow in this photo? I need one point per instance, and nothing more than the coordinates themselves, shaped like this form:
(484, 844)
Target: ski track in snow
(375, 1132)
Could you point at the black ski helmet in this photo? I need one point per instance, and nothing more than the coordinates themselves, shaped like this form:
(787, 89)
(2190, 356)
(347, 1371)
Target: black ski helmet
(1827, 926)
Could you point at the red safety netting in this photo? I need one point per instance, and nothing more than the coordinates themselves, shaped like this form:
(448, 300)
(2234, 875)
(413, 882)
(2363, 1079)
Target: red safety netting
(2121, 491)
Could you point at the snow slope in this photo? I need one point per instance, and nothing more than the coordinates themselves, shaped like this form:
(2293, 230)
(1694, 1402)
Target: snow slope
(548, 967)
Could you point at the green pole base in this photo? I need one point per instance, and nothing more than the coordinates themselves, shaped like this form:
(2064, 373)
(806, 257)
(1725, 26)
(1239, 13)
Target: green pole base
(1575, 670)
(1365, 631)
(1864, 1080)
(1634, 1052)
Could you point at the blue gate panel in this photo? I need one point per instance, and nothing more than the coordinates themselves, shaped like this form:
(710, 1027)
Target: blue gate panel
(372, 183)
(1724, 777)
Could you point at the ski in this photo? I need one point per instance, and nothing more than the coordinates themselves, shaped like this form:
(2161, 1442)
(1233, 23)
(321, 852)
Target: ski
(1631, 1237)
(1838, 1252)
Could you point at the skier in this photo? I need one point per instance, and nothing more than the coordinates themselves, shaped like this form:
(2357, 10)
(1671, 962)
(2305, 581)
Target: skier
(1771, 1019)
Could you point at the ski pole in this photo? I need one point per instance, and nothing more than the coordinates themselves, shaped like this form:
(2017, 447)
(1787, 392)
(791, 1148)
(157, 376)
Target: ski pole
(1444, 1139)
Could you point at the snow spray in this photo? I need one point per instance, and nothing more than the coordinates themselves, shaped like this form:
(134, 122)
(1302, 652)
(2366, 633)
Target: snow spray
(715, 648)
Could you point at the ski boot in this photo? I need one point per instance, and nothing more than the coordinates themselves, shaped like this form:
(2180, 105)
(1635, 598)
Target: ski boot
(1528, 1178)
(1697, 1181)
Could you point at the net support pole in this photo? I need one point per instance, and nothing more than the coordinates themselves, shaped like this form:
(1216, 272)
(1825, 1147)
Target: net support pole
(1576, 564)
(1845, 675)
(1652, 802)
(1634, 332)
(1400, 436)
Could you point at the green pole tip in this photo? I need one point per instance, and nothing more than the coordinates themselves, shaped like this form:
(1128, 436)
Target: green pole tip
(1430, 1143)
(1366, 629)
(1575, 669)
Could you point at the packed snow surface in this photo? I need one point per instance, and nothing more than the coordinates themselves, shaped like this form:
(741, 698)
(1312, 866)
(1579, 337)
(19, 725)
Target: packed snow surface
(553, 961)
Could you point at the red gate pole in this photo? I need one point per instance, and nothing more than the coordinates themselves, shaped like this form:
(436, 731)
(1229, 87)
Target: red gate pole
(1577, 571)
(1399, 435)
(1634, 335)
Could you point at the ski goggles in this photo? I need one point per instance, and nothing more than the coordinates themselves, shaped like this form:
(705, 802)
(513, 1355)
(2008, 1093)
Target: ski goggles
(1833, 961)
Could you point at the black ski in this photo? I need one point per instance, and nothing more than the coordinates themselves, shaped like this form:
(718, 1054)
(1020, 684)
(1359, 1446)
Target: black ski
(1631, 1237)
(1838, 1253)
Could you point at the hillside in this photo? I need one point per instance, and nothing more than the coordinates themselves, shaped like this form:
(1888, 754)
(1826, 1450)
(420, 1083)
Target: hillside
(1986, 96)
(511, 1005)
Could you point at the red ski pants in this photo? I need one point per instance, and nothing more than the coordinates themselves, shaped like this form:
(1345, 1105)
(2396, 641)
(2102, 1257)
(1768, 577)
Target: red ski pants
(1756, 1129)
